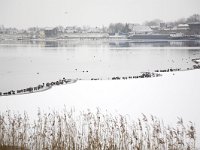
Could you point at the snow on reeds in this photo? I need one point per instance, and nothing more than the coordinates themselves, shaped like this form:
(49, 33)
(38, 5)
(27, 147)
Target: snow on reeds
(92, 131)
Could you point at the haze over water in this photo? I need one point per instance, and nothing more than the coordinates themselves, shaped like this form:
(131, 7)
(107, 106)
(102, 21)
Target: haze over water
(25, 64)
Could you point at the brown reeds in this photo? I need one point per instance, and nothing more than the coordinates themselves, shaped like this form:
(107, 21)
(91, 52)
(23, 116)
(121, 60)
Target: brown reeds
(92, 131)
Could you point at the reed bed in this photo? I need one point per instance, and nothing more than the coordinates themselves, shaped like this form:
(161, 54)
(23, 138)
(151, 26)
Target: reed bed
(65, 130)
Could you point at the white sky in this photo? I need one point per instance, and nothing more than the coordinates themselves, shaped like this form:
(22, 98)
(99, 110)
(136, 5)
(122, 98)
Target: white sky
(43, 13)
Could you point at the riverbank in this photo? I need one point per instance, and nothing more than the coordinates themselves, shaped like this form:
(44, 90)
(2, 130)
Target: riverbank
(39, 88)
(176, 94)
(97, 38)
(46, 86)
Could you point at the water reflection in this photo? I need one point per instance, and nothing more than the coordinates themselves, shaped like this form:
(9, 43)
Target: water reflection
(185, 43)
(105, 43)
(155, 44)
(51, 44)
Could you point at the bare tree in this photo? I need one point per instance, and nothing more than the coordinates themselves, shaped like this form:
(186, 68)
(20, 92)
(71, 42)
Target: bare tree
(193, 18)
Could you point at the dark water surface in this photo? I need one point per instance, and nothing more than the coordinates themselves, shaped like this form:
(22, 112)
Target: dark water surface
(25, 64)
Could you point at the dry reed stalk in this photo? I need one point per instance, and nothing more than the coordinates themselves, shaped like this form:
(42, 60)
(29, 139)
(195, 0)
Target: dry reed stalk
(92, 131)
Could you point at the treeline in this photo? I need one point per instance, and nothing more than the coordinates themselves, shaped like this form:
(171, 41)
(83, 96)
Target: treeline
(124, 28)
(119, 28)
(191, 19)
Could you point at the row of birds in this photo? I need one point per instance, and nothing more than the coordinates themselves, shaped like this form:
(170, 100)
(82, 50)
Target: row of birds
(40, 87)
(48, 85)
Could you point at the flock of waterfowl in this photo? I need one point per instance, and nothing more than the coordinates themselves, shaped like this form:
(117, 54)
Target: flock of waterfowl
(143, 75)
(39, 88)
(168, 70)
(48, 85)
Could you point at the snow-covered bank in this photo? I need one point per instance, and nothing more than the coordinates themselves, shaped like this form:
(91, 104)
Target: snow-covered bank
(166, 97)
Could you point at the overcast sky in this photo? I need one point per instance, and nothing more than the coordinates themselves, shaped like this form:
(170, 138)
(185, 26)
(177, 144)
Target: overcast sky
(49, 13)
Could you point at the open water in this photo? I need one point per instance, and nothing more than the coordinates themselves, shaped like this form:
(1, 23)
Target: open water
(24, 64)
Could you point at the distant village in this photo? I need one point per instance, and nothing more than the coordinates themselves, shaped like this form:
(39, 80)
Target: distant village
(188, 28)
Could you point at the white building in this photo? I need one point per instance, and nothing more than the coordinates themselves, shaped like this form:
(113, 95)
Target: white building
(183, 27)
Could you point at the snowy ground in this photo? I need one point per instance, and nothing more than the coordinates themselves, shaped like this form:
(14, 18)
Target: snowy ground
(166, 97)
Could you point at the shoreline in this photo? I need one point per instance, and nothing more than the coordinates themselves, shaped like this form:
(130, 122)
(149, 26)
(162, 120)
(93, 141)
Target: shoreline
(168, 97)
(39, 88)
(49, 85)
(101, 39)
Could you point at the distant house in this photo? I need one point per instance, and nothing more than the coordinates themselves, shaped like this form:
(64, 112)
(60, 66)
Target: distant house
(71, 30)
(94, 30)
(155, 28)
(50, 32)
(194, 28)
(141, 29)
(183, 27)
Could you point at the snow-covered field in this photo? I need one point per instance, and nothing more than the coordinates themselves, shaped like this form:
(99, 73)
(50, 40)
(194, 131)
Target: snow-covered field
(168, 97)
